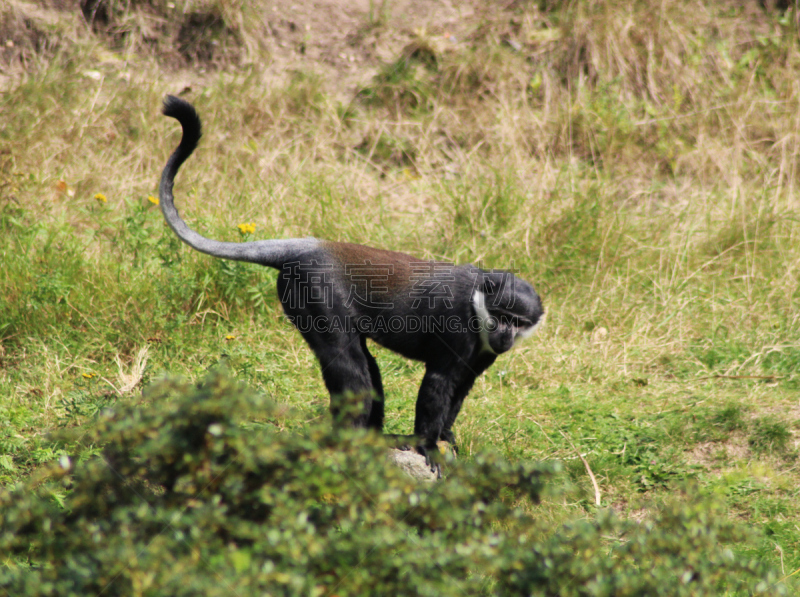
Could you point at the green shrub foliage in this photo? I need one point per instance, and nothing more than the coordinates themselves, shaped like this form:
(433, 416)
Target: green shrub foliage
(196, 490)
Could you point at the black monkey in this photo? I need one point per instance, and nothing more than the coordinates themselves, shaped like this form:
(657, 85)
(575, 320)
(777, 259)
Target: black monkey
(455, 319)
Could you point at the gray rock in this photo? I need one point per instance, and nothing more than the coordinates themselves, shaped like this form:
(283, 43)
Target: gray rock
(412, 463)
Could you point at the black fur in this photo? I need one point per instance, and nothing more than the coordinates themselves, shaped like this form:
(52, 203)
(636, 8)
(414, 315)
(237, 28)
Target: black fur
(438, 328)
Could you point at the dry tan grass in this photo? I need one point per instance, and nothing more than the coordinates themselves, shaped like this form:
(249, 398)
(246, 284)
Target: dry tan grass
(637, 162)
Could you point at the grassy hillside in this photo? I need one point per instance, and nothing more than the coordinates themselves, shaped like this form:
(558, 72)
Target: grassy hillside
(638, 163)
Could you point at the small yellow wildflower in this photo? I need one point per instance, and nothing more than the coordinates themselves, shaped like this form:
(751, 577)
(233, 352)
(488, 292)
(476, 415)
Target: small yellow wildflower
(409, 174)
(101, 198)
(153, 200)
(230, 337)
(246, 228)
(89, 375)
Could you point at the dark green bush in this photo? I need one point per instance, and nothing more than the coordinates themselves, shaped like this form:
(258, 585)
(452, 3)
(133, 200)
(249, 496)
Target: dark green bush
(196, 491)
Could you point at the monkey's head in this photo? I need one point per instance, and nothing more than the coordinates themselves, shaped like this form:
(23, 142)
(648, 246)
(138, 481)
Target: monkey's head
(508, 308)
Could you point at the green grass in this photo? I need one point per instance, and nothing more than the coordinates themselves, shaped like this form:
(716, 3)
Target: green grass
(647, 186)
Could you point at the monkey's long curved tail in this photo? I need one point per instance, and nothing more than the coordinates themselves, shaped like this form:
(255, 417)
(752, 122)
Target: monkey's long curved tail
(272, 253)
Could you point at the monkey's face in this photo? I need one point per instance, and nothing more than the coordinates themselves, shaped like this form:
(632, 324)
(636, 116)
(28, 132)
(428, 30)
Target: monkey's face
(509, 310)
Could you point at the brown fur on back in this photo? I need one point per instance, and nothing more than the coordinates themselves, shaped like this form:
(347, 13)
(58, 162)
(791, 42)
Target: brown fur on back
(396, 263)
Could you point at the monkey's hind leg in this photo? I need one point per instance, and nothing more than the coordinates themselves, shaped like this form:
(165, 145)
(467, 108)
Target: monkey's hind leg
(376, 412)
(346, 370)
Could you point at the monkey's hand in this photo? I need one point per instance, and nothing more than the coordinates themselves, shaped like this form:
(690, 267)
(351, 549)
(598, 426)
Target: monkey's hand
(448, 436)
(433, 458)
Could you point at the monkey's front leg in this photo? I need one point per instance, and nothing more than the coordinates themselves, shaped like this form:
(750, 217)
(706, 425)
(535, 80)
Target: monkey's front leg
(436, 394)
(477, 366)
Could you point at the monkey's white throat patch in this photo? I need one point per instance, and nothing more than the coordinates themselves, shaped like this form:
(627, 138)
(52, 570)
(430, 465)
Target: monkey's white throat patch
(484, 319)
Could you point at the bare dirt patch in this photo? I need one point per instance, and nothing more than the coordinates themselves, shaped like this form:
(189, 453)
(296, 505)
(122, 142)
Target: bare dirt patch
(711, 455)
(28, 30)
(342, 42)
